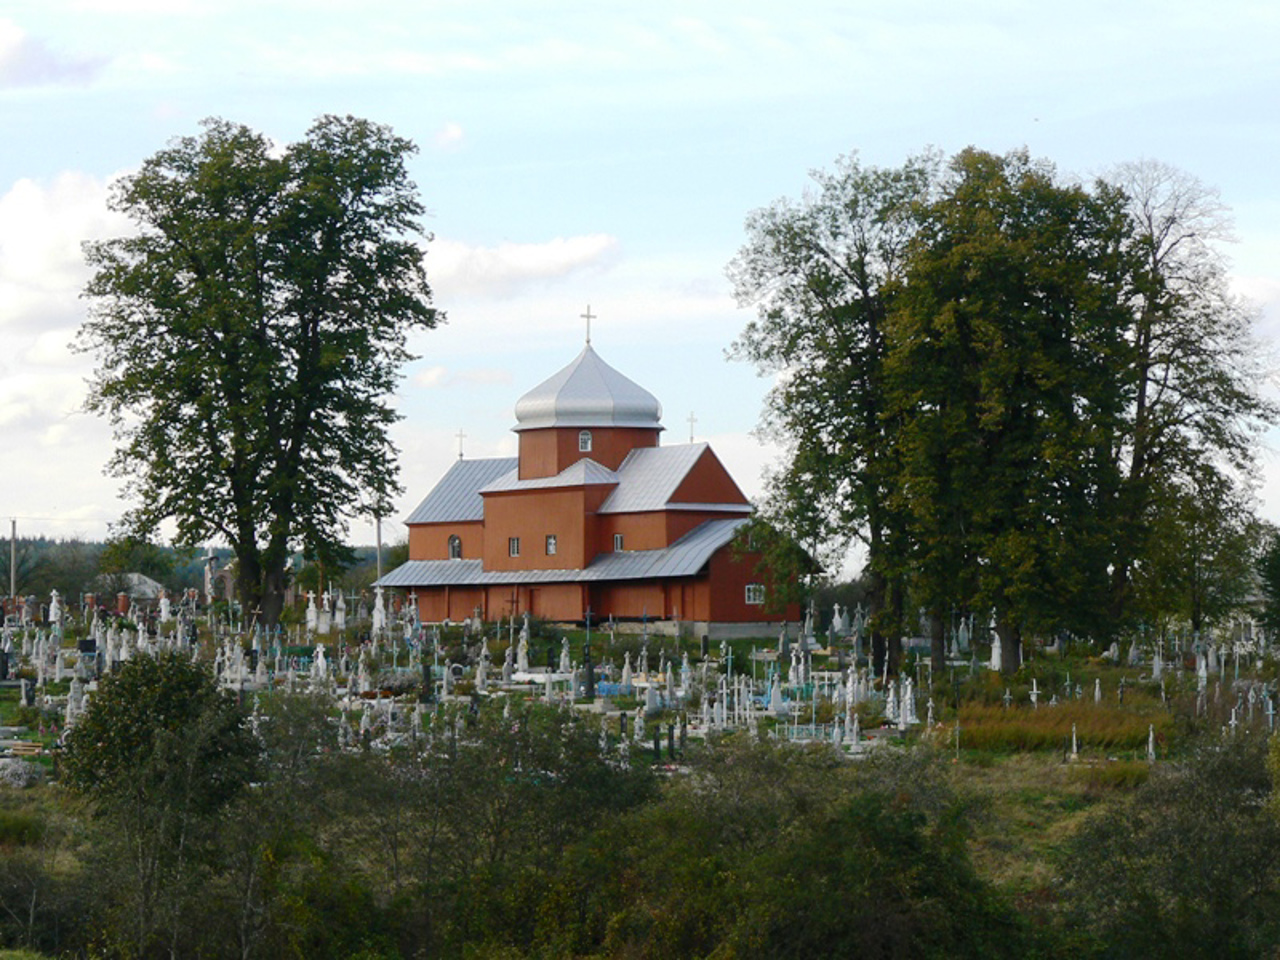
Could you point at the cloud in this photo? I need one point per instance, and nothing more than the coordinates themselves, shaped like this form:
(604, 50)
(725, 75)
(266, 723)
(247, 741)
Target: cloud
(449, 137)
(460, 270)
(42, 268)
(27, 61)
(436, 377)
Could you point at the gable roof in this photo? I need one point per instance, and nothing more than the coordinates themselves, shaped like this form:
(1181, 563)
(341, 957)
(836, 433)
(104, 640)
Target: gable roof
(456, 498)
(684, 558)
(650, 476)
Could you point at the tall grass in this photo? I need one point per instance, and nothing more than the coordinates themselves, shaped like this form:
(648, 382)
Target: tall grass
(1098, 726)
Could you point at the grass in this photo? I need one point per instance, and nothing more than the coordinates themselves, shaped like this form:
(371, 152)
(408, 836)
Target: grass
(1103, 727)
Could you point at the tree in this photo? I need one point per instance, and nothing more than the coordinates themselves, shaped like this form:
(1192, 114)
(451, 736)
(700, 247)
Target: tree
(248, 336)
(1268, 572)
(1008, 369)
(1194, 405)
(1202, 552)
(160, 753)
(822, 275)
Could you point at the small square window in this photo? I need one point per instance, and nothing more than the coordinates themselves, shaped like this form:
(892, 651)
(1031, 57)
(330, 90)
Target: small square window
(513, 546)
(617, 542)
(755, 593)
(551, 544)
(584, 441)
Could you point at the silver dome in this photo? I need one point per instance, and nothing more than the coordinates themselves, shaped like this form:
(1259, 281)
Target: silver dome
(588, 393)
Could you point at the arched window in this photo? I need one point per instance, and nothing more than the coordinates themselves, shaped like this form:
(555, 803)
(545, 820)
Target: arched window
(455, 547)
(584, 441)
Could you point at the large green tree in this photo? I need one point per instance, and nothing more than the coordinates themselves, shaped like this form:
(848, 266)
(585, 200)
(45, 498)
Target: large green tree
(1009, 372)
(821, 273)
(249, 334)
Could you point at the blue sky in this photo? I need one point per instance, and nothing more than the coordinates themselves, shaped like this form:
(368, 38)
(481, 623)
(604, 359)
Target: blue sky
(576, 153)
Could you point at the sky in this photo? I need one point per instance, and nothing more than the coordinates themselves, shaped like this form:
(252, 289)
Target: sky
(575, 153)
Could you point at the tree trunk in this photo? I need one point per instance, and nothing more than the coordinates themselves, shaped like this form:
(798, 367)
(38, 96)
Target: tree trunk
(1010, 635)
(937, 642)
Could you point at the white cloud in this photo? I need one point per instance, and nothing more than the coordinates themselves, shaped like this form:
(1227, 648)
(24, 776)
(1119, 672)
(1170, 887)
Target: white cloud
(27, 61)
(436, 377)
(42, 268)
(449, 137)
(460, 270)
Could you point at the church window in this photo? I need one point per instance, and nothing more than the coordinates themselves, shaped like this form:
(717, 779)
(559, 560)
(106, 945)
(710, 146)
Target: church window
(551, 544)
(513, 546)
(617, 541)
(584, 441)
(455, 547)
(755, 593)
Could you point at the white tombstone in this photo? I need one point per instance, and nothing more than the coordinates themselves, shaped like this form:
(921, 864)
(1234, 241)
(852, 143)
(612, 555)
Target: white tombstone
(379, 612)
(340, 612)
(313, 615)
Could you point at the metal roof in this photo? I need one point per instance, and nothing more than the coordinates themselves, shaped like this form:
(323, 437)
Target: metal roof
(649, 476)
(578, 474)
(457, 496)
(588, 393)
(684, 558)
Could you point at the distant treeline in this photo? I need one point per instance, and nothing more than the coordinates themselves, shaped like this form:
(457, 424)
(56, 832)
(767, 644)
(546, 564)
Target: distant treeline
(75, 567)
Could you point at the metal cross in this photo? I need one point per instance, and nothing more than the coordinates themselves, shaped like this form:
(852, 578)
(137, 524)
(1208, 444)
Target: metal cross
(692, 421)
(461, 436)
(588, 317)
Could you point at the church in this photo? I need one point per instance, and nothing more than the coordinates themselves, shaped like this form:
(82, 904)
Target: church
(593, 517)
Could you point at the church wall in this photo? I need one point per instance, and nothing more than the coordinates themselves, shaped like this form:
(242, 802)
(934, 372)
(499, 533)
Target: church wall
(544, 453)
(436, 604)
(532, 516)
(731, 575)
(708, 482)
(640, 531)
(430, 541)
(550, 601)
(631, 599)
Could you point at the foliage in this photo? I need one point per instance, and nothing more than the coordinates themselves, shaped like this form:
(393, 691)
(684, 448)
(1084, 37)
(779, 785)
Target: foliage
(248, 335)
(1022, 394)
(1006, 370)
(1188, 866)
(822, 274)
(1268, 574)
(130, 554)
(160, 753)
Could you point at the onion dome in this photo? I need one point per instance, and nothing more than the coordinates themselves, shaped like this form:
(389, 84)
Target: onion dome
(588, 393)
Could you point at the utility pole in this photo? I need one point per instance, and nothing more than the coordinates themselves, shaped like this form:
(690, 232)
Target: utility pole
(13, 557)
(377, 527)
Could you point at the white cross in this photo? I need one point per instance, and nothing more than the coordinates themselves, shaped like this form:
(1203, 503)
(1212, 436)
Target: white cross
(461, 436)
(692, 421)
(588, 317)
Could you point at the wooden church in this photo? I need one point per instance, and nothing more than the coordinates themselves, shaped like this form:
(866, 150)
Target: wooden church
(593, 515)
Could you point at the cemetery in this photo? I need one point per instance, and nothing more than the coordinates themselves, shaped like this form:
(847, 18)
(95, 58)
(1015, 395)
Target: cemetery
(1078, 729)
